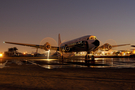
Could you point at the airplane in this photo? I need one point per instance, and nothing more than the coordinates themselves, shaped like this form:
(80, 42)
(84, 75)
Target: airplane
(86, 43)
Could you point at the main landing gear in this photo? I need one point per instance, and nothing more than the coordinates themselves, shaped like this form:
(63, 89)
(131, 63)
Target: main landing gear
(87, 60)
(61, 57)
(35, 54)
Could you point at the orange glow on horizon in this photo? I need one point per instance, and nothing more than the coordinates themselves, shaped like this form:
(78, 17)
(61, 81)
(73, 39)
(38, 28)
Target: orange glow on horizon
(24, 53)
(133, 51)
(1, 54)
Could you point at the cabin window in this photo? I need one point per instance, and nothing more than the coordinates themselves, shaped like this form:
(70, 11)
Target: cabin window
(92, 37)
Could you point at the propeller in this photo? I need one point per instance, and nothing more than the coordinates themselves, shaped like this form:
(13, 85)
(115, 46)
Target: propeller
(111, 42)
(48, 41)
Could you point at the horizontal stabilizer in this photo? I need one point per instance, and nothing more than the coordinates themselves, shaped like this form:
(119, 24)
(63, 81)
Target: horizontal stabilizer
(132, 45)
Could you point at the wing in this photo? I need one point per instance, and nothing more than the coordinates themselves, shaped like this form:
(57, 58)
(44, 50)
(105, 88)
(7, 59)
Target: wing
(120, 45)
(34, 45)
(107, 47)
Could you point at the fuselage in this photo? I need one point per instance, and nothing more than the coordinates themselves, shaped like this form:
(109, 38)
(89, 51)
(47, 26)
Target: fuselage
(85, 43)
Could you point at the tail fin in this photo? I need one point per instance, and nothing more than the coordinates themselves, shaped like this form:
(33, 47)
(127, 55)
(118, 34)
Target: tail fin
(59, 40)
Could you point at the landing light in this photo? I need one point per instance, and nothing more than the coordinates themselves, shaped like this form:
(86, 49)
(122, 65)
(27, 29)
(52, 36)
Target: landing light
(48, 54)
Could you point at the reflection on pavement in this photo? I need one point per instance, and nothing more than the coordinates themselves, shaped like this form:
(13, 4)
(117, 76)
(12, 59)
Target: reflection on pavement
(3, 63)
(74, 63)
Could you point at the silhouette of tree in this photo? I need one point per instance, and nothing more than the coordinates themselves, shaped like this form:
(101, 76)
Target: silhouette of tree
(13, 50)
(10, 50)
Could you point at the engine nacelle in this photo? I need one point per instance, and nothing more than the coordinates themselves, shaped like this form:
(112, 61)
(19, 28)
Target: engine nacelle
(47, 46)
(65, 48)
(106, 47)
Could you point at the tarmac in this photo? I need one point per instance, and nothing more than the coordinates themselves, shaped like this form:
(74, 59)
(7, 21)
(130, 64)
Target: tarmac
(34, 77)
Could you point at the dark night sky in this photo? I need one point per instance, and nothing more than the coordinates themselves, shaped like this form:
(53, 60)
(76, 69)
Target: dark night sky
(30, 21)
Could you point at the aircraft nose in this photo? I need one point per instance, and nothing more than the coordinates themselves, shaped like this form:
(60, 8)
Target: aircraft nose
(96, 43)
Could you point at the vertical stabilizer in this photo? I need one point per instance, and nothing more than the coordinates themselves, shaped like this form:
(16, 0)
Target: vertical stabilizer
(59, 40)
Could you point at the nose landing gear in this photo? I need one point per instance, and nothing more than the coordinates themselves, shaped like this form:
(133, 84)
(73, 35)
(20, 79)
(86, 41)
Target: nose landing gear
(89, 60)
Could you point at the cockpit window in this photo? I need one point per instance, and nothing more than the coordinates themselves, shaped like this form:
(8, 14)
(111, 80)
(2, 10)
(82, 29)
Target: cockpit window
(92, 37)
